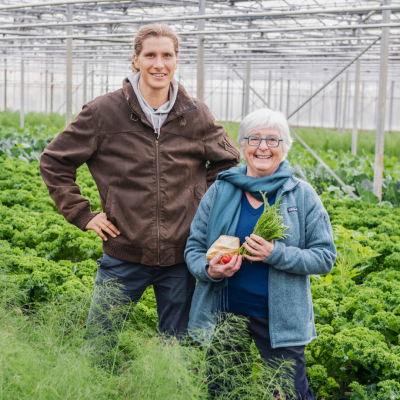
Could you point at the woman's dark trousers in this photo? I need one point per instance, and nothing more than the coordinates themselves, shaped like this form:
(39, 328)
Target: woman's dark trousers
(239, 354)
(118, 283)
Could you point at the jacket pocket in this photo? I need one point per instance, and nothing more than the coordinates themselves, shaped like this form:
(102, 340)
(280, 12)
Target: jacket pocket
(228, 147)
(198, 195)
(109, 208)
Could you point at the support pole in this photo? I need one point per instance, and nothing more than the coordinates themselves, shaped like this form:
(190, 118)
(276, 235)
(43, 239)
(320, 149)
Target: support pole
(248, 83)
(298, 103)
(281, 97)
(107, 78)
(345, 100)
(243, 98)
(340, 106)
(362, 104)
(356, 110)
(322, 111)
(288, 97)
(380, 126)
(22, 108)
(46, 92)
(227, 100)
(26, 91)
(356, 104)
(84, 82)
(92, 85)
(247, 90)
(391, 107)
(200, 52)
(376, 104)
(5, 84)
(41, 87)
(68, 113)
(337, 105)
(265, 87)
(52, 92)
(310, 109)
(269, 87)
(211, 90)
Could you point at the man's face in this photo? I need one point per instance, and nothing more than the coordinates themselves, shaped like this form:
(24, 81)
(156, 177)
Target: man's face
(157, 62)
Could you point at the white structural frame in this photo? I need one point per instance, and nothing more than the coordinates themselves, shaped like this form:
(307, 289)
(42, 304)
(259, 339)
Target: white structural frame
(220, 40)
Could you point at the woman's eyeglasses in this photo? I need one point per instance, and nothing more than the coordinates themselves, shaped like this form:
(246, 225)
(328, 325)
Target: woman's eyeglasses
(270, 141)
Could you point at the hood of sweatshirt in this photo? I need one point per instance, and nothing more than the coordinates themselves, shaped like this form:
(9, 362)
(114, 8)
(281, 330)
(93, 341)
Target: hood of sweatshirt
(158, 117)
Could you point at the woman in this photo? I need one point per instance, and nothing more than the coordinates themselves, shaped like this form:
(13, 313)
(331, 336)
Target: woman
(272, 292)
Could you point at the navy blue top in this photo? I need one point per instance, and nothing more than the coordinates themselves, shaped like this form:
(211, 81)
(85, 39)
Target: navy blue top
(248, 288)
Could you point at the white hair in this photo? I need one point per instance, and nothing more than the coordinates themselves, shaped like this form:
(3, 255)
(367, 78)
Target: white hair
(266, 118)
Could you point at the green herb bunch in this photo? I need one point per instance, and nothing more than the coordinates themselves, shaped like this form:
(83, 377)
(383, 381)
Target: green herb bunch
(270, 226)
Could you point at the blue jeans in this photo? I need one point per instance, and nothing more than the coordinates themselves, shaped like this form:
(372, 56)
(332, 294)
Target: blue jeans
(173, 287)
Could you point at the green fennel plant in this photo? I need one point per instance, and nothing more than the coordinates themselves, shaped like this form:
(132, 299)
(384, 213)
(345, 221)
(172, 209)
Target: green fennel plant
(270, 226)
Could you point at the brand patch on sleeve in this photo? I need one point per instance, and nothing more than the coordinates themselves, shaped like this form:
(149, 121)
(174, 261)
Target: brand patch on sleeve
(291, 209)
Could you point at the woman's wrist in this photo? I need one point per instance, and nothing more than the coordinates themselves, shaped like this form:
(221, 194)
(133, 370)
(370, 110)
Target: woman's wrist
(211, 274)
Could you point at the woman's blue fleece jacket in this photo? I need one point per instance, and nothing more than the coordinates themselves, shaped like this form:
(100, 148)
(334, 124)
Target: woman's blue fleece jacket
(309, 250)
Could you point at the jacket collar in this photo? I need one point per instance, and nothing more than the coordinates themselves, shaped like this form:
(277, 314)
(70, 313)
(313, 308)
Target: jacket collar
(183, 103)
(289, 185)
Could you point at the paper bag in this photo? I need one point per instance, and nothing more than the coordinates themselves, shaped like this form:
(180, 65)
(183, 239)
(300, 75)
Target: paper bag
(225, 245)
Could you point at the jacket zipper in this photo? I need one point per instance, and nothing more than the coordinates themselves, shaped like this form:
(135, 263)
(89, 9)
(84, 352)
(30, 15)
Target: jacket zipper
(158, 184)
(158, 200)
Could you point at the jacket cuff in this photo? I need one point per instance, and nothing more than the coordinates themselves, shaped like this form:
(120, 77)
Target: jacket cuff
(83, 217)
(276, 254)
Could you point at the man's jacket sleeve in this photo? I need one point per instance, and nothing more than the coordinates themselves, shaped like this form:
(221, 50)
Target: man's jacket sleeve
(59, 162)
(221, 152)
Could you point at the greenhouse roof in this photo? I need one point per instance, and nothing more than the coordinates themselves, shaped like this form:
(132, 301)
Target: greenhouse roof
(302, 37)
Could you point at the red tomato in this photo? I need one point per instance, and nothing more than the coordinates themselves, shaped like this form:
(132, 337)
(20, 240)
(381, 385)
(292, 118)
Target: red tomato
(226, 259)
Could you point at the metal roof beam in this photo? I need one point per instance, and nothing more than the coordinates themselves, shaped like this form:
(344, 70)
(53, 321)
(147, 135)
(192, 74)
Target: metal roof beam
(350, 10)
(66, 2)
(214, 32)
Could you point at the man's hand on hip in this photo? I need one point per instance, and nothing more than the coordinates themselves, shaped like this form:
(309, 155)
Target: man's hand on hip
(100, 223)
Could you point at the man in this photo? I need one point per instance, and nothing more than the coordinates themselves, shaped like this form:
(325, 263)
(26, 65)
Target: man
(146, 146)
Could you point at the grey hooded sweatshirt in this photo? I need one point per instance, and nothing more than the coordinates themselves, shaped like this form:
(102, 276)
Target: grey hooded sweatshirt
(158, 117)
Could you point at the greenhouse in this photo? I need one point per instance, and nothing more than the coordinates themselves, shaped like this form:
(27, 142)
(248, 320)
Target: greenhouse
(331, 67)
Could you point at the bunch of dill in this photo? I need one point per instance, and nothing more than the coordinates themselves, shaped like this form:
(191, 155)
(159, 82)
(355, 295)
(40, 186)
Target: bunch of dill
(270, 226)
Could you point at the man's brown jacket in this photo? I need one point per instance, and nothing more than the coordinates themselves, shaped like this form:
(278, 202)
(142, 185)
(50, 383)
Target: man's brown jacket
(149, 189)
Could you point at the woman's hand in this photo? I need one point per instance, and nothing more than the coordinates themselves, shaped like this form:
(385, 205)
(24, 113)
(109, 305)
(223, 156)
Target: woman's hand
(218, 271)
(100, 223)
(258, 247)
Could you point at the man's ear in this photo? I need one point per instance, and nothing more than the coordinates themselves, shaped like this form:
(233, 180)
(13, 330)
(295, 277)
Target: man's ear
(136, 62)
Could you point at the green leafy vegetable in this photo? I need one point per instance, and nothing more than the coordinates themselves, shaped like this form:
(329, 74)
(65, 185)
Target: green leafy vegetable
(270, 226)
